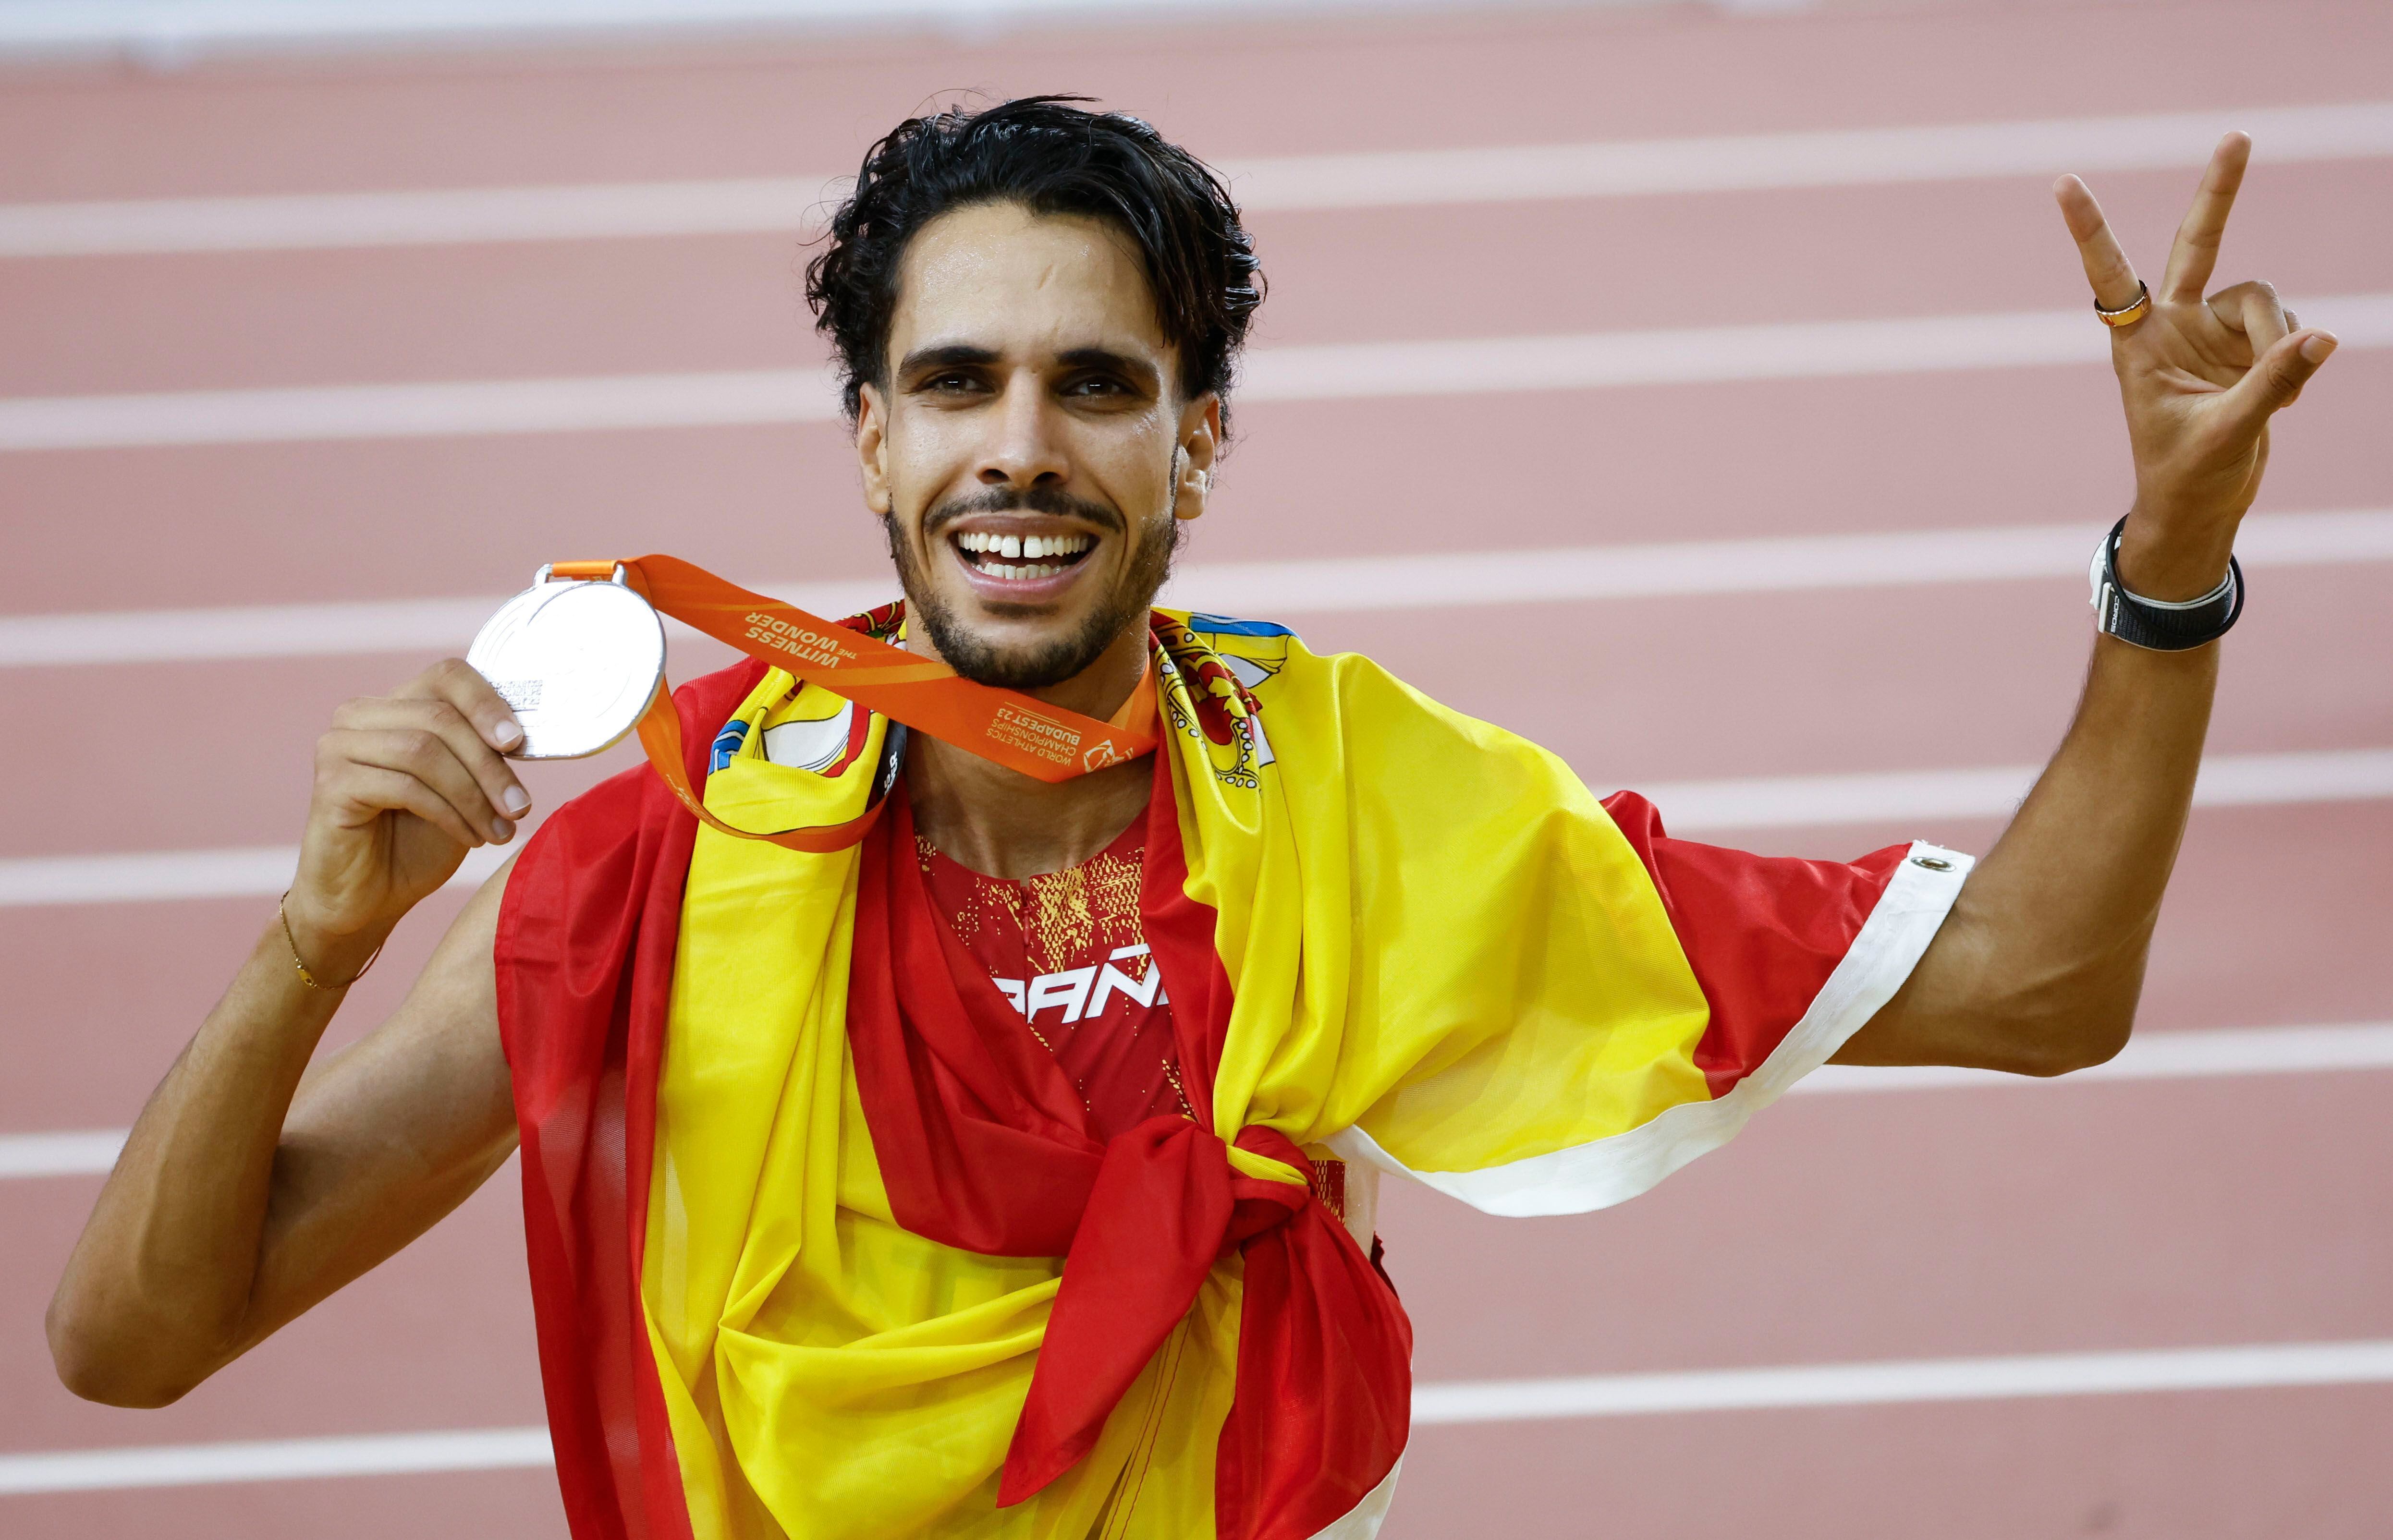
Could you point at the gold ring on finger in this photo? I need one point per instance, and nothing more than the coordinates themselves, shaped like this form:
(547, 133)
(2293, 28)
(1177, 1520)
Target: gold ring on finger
(2130, 313)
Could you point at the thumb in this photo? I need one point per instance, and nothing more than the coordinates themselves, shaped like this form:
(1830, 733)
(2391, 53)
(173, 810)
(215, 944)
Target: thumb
(2278, 375)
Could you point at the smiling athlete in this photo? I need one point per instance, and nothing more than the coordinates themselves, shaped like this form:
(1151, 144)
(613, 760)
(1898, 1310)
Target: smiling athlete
(1009, 1173)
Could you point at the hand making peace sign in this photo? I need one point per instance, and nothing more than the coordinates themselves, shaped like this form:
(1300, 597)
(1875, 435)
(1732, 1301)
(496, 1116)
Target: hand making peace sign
(2201, 376)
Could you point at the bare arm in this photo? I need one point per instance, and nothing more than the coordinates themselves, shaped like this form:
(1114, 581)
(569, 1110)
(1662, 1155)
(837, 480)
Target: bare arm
(251, 1187)
(2039, 965)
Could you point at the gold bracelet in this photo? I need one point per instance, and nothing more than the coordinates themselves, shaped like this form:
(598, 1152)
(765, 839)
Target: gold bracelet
(296, 962)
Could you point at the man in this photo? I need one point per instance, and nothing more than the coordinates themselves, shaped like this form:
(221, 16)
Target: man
(1009, 1172)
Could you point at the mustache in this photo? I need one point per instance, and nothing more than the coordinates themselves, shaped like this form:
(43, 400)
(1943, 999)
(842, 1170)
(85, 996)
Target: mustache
(1013, 499)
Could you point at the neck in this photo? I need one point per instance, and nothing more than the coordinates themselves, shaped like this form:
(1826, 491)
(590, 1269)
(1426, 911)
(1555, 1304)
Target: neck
(1006, 824)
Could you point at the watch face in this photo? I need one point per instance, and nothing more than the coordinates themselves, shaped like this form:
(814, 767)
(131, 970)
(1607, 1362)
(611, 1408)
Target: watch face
(578, 662)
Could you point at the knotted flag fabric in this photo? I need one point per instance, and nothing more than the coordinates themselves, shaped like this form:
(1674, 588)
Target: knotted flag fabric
(823, 1244)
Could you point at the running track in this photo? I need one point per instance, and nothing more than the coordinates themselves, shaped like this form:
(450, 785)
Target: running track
(1995, 1244)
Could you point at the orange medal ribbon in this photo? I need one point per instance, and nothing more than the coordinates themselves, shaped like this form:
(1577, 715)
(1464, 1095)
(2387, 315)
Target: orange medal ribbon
(1003, 726)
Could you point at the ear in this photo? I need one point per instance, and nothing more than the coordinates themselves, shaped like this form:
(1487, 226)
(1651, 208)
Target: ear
(1200, 442)
(872, 447)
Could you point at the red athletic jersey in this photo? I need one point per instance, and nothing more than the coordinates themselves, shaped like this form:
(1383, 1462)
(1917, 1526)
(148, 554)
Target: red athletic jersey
(1067, 950)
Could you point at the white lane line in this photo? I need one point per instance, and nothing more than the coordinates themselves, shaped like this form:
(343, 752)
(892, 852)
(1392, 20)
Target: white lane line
(1794, 350)
(1784, 801)
(2214, 1053)
(1794, 801)
(438, 216)
(149, 877)
(325, 630)
(276, 1460)
(1275, 590)
(1463, 578)
(2151, 1056)
(1786, 350)
(435, 410)
(1833, 158)
(1372, 179)
(88, 1151)
(2260, 1365)
(171, 33)
(1898, 1382)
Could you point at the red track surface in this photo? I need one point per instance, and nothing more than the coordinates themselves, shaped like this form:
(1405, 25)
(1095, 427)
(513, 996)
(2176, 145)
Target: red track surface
(1918, 1225)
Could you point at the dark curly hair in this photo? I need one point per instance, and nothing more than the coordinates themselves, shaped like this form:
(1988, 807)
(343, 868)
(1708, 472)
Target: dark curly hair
(1051, 156)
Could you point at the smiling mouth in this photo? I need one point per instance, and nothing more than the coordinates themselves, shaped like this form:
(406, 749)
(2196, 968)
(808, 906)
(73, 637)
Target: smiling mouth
(1021, 558)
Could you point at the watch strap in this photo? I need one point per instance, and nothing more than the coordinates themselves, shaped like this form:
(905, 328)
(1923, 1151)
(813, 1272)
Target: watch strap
(2159, 625)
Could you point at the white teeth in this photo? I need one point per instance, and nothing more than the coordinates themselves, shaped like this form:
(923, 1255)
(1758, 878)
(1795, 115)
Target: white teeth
(1022, 548)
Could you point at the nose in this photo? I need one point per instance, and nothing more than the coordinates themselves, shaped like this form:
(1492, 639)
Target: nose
(1023, 450)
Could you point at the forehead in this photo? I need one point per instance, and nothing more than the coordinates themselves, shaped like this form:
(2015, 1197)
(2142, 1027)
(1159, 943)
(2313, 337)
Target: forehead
(998, 275)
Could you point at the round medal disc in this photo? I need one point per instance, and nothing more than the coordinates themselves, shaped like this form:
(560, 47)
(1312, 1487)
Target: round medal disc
(578, 662)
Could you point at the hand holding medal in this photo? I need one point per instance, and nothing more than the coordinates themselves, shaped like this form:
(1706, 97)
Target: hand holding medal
(405, 785)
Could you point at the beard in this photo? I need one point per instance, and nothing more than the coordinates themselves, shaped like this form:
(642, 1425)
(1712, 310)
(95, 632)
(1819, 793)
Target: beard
(1035, 665)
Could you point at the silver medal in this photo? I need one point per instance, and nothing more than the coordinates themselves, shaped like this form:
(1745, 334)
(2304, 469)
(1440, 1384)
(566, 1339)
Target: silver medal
(578, 662)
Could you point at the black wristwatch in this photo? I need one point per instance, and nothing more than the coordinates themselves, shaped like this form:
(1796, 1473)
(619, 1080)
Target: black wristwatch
(2155, 624)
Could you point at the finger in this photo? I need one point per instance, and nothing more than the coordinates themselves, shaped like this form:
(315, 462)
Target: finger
(2255, 310)
(373, 787)
(2107, 268)
(454, 680)
(470, 744)
(2278, 376)
(2196, 251)
(424, 754)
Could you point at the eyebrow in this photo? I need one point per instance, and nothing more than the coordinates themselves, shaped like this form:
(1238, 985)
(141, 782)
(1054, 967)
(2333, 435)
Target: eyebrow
(953, 355)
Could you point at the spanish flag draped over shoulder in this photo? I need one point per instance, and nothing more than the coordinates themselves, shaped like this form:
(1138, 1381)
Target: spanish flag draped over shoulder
(823, 1245)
